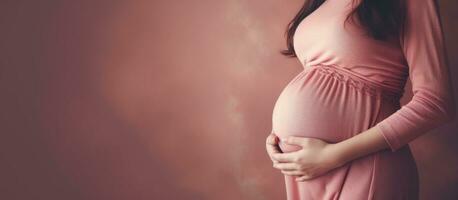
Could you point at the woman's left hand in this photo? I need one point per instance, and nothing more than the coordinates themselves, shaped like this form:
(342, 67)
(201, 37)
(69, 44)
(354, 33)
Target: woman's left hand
(314, 159)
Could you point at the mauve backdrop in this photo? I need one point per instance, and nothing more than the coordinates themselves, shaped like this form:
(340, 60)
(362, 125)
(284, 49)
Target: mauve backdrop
(108, 100)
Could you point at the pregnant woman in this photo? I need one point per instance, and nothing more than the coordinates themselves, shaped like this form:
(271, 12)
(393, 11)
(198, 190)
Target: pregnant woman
(338, 129)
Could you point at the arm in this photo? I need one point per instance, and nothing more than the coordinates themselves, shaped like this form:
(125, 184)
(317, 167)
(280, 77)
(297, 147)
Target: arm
(360, 145)
(432, 103)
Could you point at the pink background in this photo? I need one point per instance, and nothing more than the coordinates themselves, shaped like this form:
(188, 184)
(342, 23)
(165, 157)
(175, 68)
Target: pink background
(107, 100)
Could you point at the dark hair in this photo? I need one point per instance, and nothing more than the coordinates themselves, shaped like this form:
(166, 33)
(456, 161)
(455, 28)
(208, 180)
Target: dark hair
(381, 19)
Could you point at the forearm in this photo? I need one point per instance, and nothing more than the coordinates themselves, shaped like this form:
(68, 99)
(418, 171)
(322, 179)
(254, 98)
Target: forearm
(360, 145)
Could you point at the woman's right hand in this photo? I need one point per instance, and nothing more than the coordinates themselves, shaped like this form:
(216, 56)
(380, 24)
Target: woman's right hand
(272, 146)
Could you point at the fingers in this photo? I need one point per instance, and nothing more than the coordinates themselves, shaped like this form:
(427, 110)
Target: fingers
(272, 143)
(272, 146)
(272, 139)
(293, 173)
(271, 149)
(300, 141)
(287, 166)
(303, 178)
(285, 157)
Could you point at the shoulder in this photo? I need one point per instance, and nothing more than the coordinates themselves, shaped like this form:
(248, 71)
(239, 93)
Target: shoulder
(421, 5)
(421, 10)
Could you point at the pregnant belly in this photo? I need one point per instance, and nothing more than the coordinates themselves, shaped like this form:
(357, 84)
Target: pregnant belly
(320, 105)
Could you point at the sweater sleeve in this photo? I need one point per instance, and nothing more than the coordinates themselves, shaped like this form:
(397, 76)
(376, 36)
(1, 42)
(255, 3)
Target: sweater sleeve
(432, 103)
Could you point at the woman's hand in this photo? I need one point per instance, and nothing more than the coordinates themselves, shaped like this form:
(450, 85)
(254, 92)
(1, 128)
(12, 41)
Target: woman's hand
(272, 146)
(314, 159)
